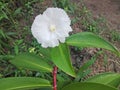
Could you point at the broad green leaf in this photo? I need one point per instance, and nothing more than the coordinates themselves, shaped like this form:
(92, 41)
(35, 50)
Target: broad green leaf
(112, 79)
(61, 57)
(87, 86)
(88, 39)
(32, 62)
(23, 83)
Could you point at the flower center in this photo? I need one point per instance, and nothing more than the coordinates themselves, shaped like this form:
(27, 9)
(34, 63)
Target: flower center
(52, 28)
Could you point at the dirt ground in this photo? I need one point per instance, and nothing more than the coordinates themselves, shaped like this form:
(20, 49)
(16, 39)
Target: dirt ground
(110, 10)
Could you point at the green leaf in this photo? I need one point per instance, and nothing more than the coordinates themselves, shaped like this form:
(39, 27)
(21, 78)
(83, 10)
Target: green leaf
(111, 79)
(88, 39)
(81, 76)
(32, 62)
(61, 57)
(87, 86)
(2, 33)
(87, 65)
(45, 52)
(3, 15)
(84, 69)
(16, 49)
(17, 11)
(23, 83)
(62, 81)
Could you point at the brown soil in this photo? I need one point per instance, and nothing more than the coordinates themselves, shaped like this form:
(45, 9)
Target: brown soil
(110, 9)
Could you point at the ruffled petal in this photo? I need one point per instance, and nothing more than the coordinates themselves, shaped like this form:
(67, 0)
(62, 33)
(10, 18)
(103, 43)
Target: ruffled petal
(41, 27)
(57, 15)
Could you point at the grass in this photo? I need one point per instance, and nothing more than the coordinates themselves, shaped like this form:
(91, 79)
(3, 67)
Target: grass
(115, 35)
(65, 4)
(87, 21)
(15, 25)
(14, 32)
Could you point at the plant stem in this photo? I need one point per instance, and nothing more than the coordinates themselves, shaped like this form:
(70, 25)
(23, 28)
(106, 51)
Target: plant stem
(54, 78)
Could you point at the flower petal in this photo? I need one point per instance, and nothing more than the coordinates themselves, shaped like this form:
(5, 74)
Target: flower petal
(41, 27)
(58, 15)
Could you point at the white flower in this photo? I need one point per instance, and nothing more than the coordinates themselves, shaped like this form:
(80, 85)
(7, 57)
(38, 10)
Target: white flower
(51, 27)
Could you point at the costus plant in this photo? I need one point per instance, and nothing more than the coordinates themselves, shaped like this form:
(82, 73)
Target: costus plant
(51, 29)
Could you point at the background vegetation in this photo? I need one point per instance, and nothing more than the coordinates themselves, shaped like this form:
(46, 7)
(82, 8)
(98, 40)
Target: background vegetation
(16, 18)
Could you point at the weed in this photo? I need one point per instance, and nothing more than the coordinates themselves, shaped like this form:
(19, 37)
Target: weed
(14, 32)
(65, 4)
(115, 35)
(88, 22)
